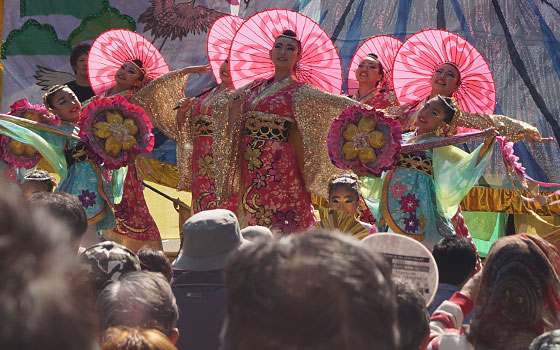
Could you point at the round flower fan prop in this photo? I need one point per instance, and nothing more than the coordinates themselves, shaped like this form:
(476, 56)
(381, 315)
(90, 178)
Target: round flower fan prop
(113, 48)
(365, 140)
(249, 55)
(386, 48)
(116, 131)
(18, 154)
(220, 36)
(422, 53)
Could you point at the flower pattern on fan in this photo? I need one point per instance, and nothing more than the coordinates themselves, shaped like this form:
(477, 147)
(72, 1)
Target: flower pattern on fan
(119, 133)
(364, 139)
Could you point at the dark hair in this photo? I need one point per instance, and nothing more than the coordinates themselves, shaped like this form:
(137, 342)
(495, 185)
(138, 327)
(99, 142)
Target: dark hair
(374, 56)
(156, 261)
(139, 299)
(348, 182)
(413, 317)
(64, 207)
(291, 35)
(456, 258)
(140, 65)
(49, 95)
(323, 290)
(43, 177)
(77, 51)
(449, 108)
(39, 293)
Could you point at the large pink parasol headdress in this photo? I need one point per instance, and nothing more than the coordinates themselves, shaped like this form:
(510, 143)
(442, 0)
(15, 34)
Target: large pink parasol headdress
(112, 49)
(220, 36)
(249, 55)
(385, 47)
(422, 53)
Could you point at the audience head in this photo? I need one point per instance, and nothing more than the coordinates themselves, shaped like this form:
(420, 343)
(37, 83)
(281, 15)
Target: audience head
(256, 233)
(107, 261)
(519, 294)
(66, 208)
(318, 290)
(210, 237)
(37, 181)
(156, 261)
(41, 304)
(413, 317)
(139, 299)
(455, 258)
(125, 338)
(546, 341)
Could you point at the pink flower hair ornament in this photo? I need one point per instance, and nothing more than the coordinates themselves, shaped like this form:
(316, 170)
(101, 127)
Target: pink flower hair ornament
(18, 154)
(116, 131)
(364, 140)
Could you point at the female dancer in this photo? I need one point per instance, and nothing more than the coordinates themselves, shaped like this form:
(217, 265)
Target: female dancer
(135, 226)
(344, 194)
(84, 179)
(420, 195)
(194, 127)
(373, 90)
(269, 142)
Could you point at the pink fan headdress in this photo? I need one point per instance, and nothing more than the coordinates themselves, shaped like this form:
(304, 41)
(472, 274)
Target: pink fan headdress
(420, 56)
(385, 47)
(112, 49)
(249, 55)
(220, 36)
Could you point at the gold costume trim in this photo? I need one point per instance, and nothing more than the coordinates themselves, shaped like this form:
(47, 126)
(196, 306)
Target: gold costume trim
(202, 125)
(267, 126)
(419, 163)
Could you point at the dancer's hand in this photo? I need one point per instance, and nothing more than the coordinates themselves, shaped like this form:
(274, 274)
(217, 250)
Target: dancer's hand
(185, 104)
(200, 69)
(237, 99)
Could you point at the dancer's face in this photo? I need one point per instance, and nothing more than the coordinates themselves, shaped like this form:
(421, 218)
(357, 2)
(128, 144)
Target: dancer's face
(343, 199)
(66, 105)
(431, 116)
(285, 53)
(445, 80)
(224, 73)
(128, 76)
(368, 71)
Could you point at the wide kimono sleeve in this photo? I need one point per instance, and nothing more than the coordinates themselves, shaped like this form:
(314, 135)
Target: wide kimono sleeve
(314, 112)
(372, 192)
(513, 130)
(50, 146)
(160, 96)
(455, 173)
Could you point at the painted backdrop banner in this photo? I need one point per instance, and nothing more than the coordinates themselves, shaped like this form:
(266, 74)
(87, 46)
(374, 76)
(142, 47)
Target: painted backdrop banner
(519, 40)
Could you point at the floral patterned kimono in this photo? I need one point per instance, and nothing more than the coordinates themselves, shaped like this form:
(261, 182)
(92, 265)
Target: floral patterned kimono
(194, 154)
(87, 181)
(276, 154)
(135, 226)
(420, 195)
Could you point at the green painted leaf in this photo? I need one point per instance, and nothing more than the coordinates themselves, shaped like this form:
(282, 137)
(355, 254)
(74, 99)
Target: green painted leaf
(34, 39)
(76, 8)
(93, 25)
